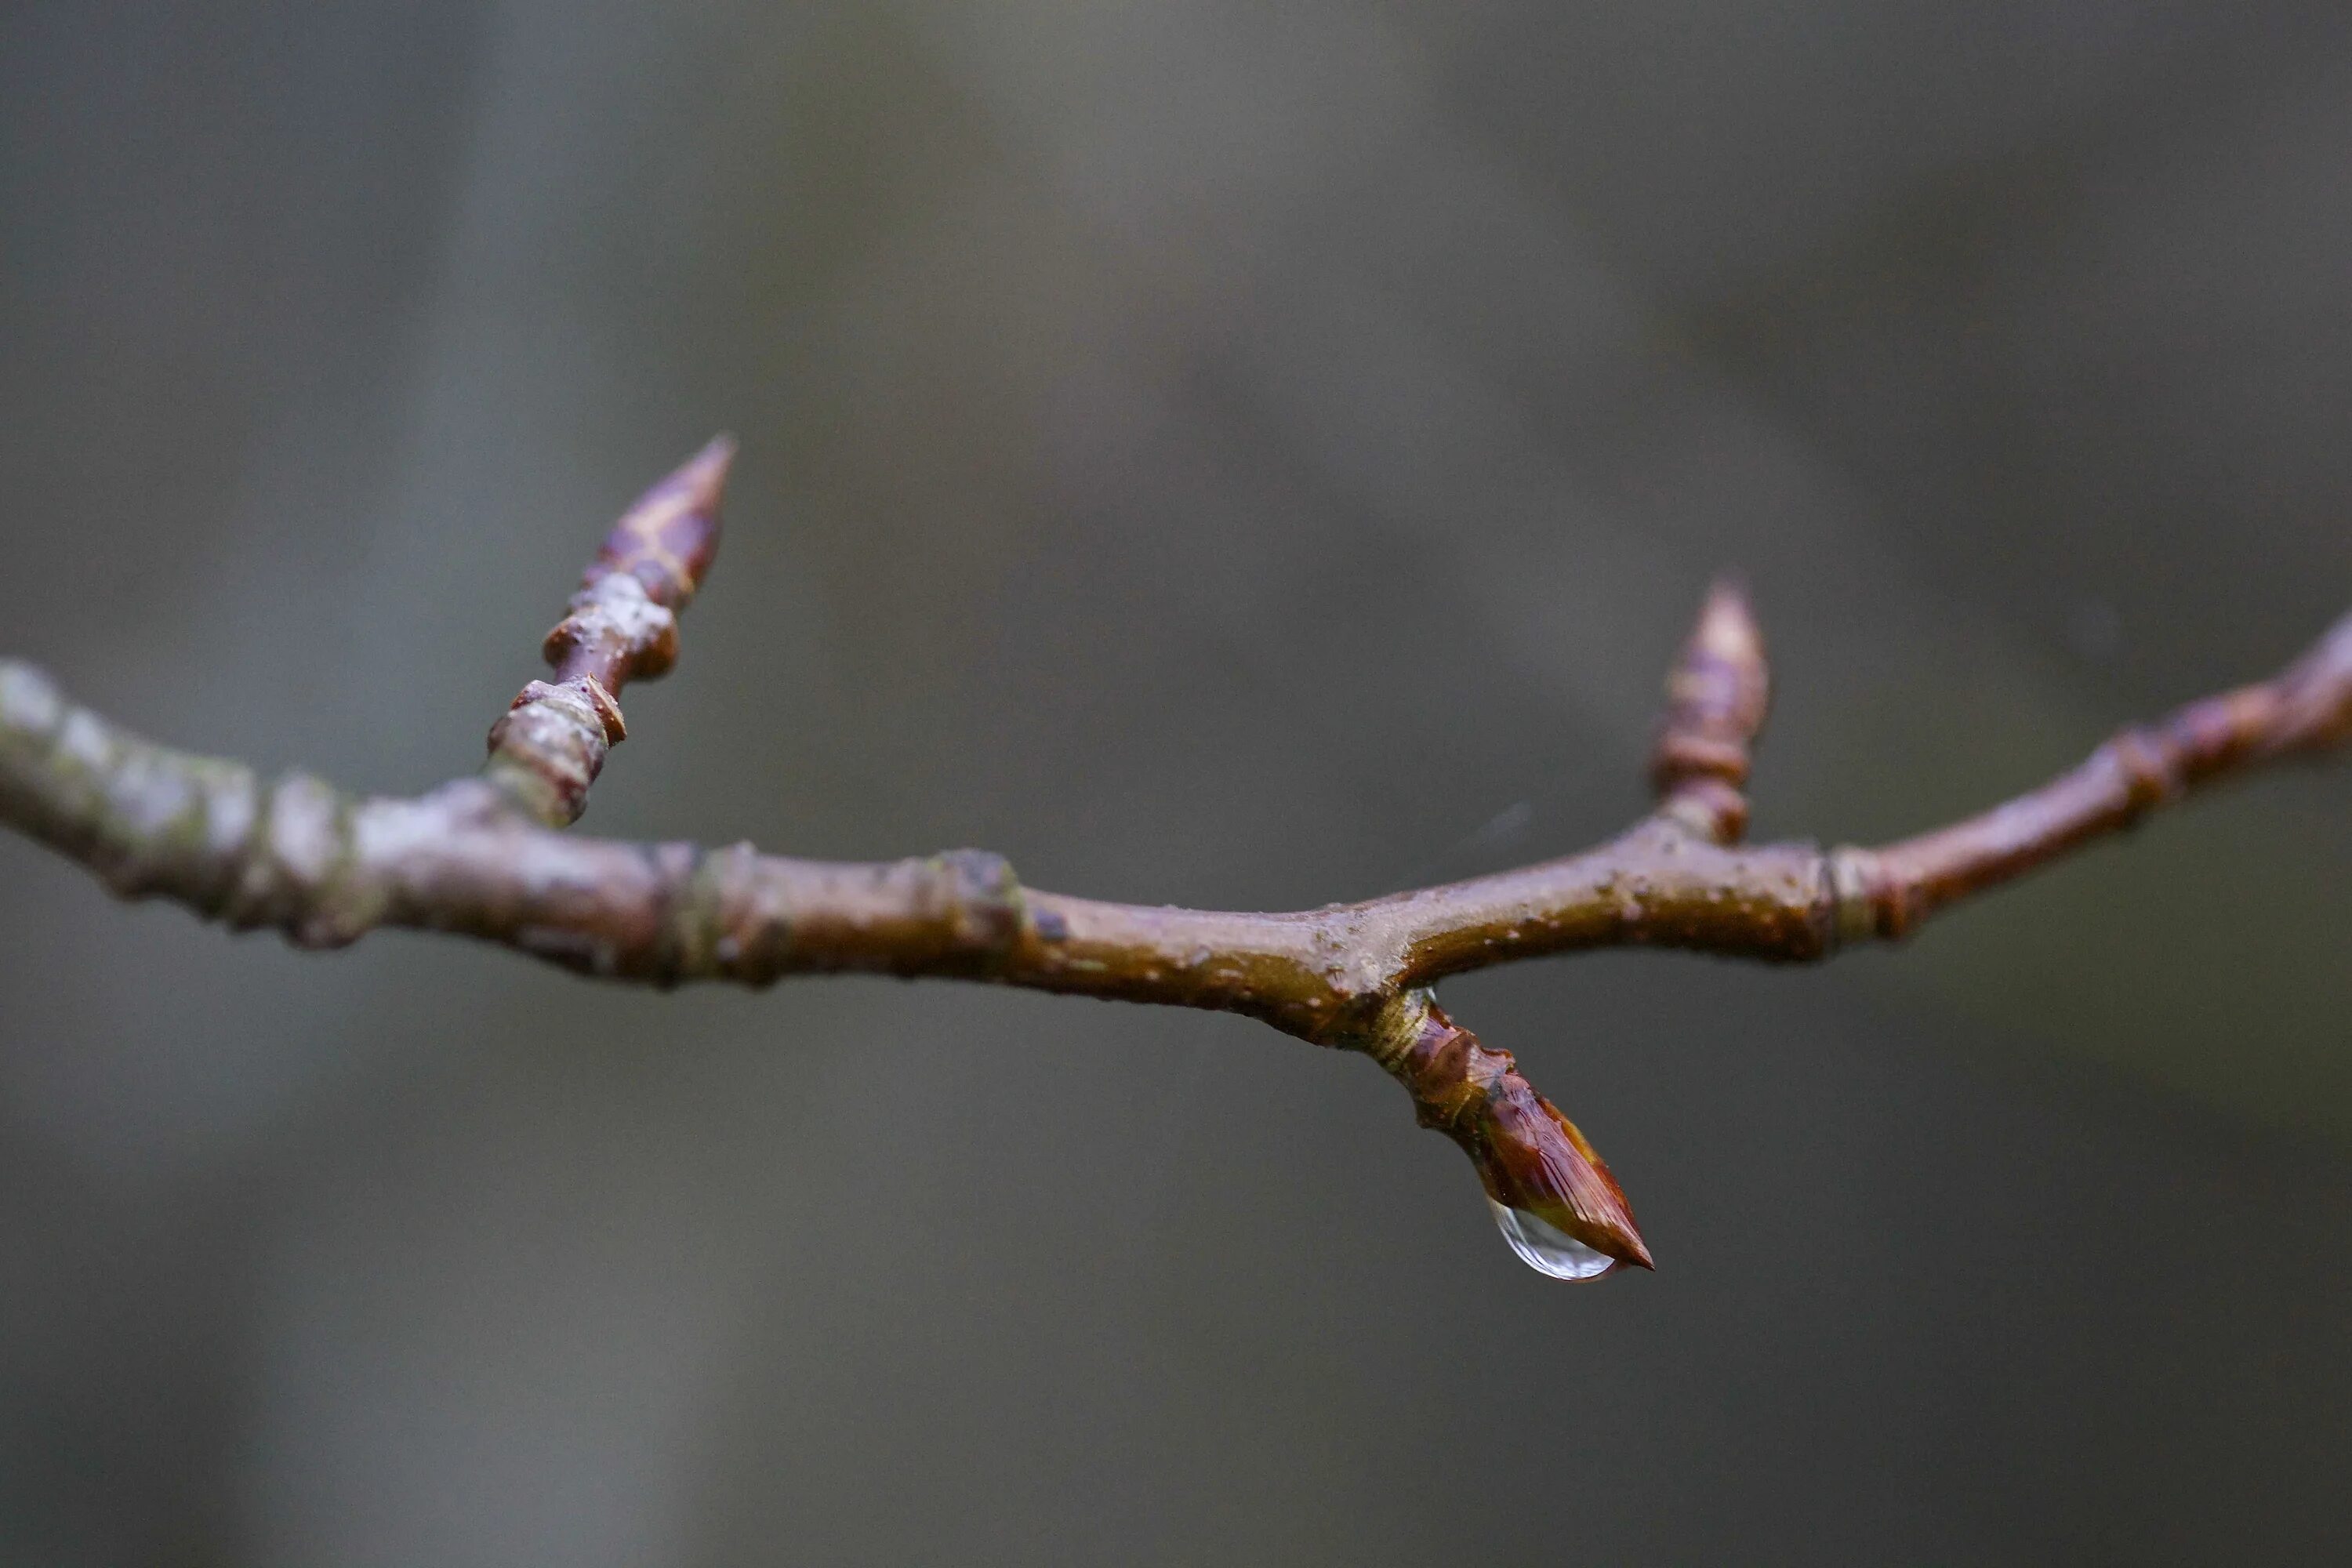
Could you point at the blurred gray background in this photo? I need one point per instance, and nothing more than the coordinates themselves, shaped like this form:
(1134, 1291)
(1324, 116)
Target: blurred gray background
(1217, 453)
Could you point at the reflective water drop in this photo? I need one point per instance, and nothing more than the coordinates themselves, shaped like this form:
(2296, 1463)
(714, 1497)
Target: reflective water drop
(1548, 1249)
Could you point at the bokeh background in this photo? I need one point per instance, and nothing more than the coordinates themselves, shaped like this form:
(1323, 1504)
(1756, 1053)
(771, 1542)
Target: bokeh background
(1219, 453)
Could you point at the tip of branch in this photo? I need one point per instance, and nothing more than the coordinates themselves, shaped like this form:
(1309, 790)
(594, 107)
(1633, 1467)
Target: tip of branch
(666, 541)
(2317, 690)
(1553, 1198)
(709, 467)
(1726, 629)
(1536, 1165)
(1716, 695)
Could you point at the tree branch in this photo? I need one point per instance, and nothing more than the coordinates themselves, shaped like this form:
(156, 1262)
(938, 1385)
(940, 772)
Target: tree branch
(551, 744)
(478, 858)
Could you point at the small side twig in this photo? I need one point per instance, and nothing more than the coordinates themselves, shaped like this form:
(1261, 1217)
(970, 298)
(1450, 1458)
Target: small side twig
(1715, 699)
(480, 857)
(622, 627)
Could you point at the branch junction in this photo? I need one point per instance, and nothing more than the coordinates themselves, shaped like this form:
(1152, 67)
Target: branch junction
(484, 856)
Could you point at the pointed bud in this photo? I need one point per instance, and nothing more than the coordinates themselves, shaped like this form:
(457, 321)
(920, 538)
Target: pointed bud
(1555, 1202)
(624, 621)
(667, 538)
(1715, 699)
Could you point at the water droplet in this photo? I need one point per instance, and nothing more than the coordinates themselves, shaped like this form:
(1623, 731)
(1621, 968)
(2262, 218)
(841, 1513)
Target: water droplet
(1546, 1249)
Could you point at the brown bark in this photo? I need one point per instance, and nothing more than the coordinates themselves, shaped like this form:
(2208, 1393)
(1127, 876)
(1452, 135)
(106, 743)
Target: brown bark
(480, 856)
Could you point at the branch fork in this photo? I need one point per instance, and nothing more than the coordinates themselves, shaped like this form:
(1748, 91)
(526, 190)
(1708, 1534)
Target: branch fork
(485, 856)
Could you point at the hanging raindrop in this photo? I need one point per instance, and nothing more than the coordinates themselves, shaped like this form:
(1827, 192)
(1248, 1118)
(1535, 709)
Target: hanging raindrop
(1548, 1249)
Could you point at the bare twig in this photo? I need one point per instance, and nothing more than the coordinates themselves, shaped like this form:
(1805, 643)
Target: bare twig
(550, 746)
(477, 857)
